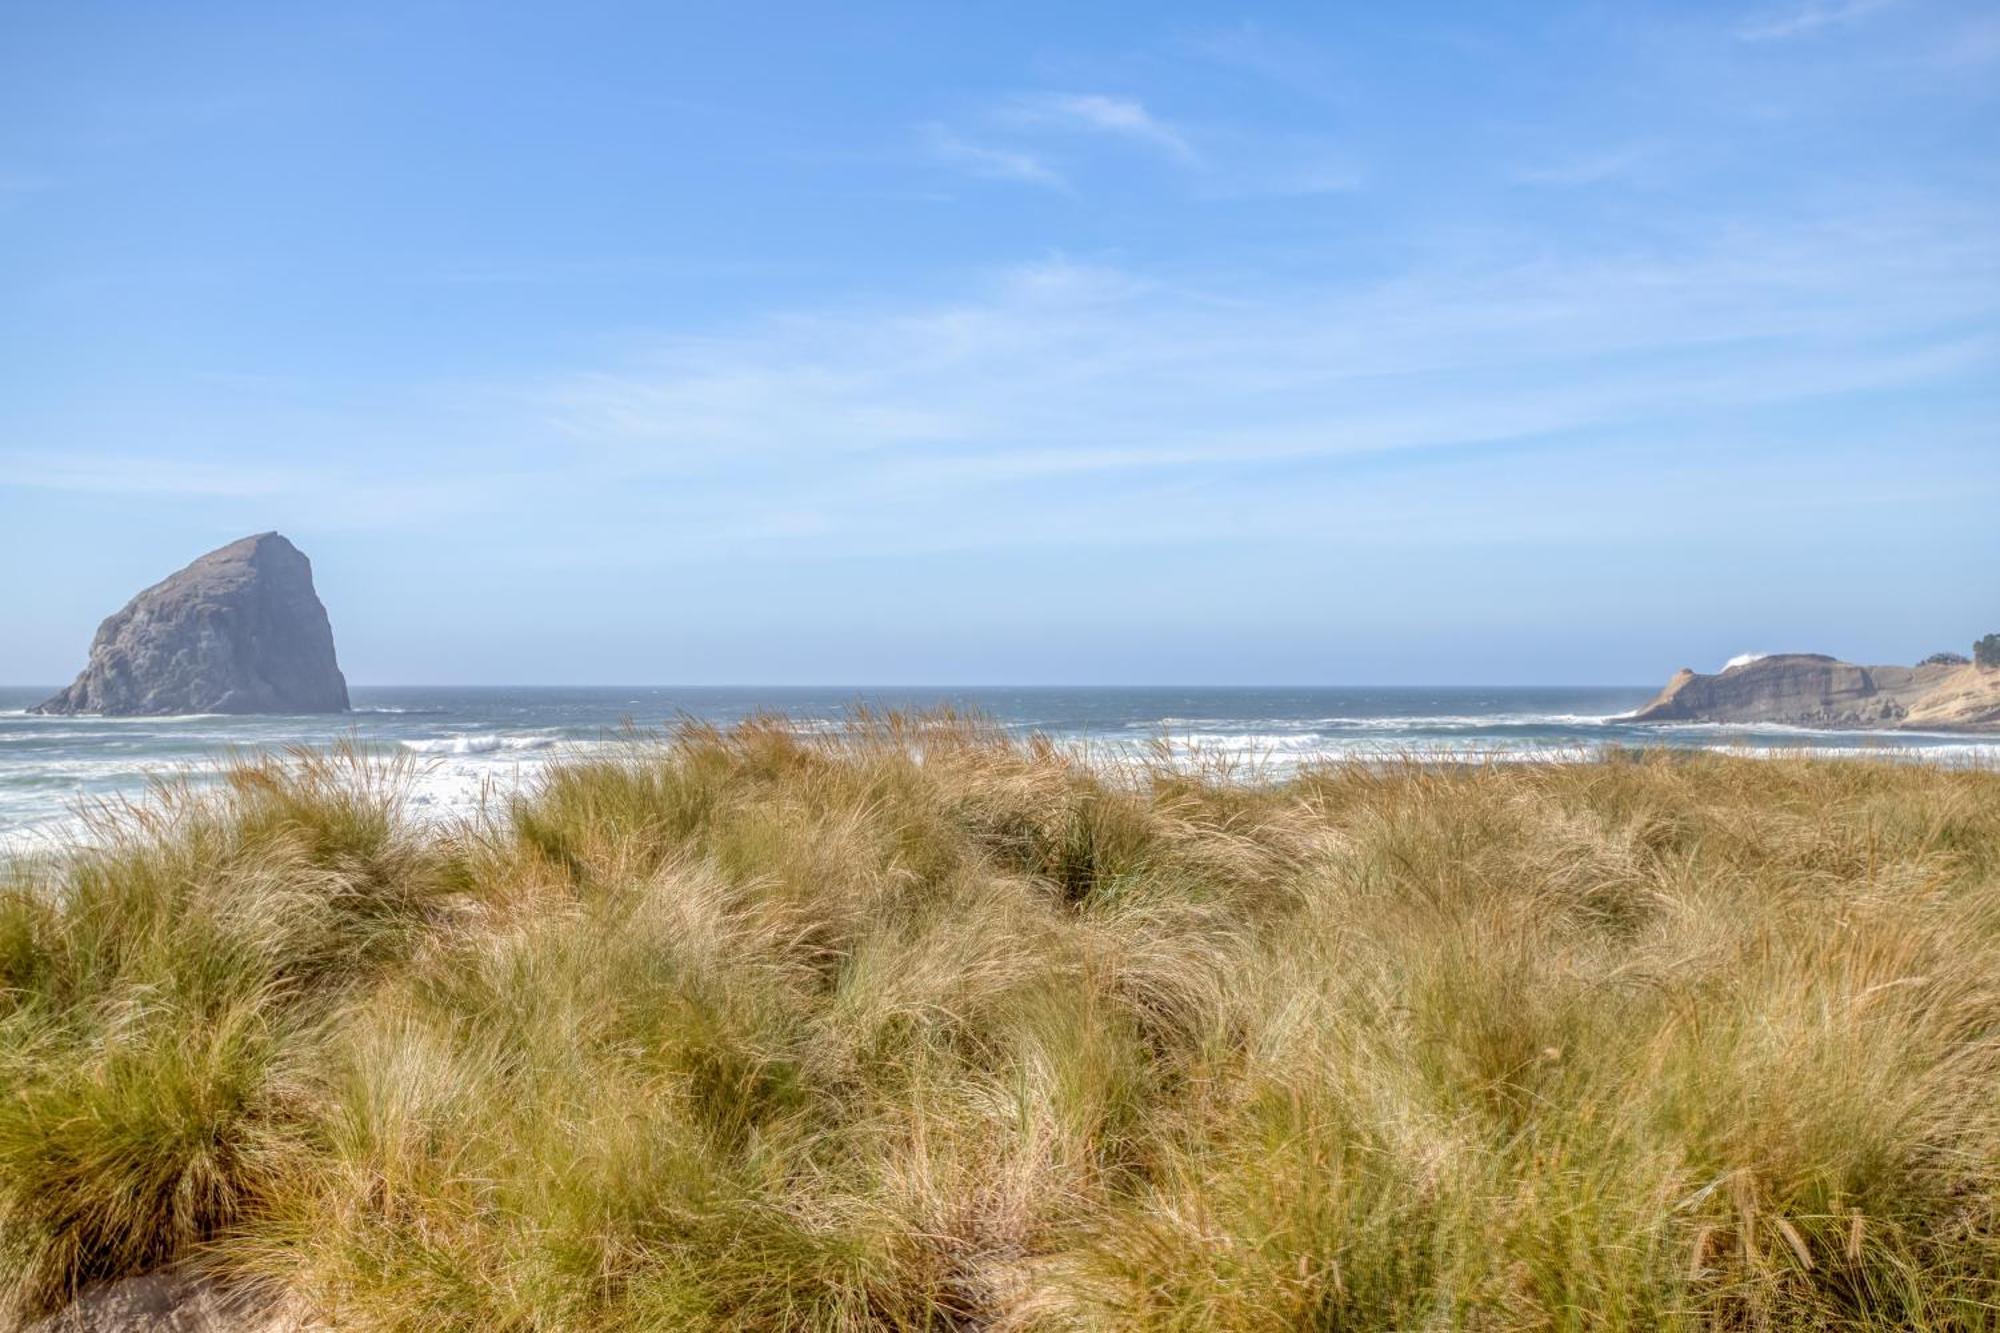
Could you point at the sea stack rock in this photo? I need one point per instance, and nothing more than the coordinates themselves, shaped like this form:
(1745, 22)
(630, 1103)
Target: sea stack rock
(238, 631)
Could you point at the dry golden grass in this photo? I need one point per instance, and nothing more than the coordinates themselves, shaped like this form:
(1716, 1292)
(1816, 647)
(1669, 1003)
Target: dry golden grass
(912, 1027)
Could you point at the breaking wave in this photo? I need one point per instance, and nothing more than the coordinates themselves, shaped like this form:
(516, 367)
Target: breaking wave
(478, 743)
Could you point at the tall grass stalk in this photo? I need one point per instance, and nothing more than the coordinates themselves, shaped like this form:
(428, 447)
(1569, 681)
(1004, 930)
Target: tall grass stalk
(915, 1027)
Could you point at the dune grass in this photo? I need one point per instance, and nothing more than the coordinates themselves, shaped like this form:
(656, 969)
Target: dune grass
(913, 1027)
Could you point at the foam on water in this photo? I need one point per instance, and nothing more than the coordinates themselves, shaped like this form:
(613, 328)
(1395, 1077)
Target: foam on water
(478, 743)
(471, 749)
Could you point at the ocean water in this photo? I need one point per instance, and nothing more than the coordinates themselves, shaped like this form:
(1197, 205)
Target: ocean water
(471, 744)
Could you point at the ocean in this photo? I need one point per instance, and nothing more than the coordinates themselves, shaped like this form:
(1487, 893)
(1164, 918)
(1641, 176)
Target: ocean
(473, 743)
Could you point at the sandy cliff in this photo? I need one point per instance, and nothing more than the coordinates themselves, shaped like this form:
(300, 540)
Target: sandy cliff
(1966, 700)
(1814, 690)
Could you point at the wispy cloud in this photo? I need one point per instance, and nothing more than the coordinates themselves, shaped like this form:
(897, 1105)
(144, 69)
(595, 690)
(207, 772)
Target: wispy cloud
(329, 497)
(140, 474)
(1035, 139)
(1096, 113)
(1809, 17)
(990, 162)
(1120, 383)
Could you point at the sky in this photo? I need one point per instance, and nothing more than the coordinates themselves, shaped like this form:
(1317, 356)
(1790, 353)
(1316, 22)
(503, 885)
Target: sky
(1025, 343)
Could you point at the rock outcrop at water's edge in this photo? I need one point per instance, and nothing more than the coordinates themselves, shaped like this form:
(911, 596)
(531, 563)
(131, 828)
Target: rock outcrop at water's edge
(240, 630)
(1814, 690)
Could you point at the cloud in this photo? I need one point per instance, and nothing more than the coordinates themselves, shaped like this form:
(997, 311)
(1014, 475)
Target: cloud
(332, 497)
(135, 474)
(1065, 403)
(1096, 113)
(1238, 163)
(990, 163)
(923, 422)
(1809, 17)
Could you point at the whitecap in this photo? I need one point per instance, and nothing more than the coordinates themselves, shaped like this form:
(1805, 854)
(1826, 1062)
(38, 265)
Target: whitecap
(477, 743)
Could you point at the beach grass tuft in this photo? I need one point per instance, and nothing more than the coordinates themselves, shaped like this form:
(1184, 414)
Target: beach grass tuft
(911, 1025)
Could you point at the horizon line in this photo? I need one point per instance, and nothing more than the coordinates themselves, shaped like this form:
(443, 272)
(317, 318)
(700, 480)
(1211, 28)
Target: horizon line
(969, 685)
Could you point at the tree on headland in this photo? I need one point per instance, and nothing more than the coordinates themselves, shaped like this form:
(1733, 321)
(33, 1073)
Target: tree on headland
(1945, 659)
(1987, 651)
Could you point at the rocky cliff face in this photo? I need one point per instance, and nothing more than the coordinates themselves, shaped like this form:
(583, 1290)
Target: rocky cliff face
(1813, 690)
(238, 631)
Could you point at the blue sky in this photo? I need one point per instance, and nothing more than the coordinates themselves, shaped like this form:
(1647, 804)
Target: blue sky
(1023, 343)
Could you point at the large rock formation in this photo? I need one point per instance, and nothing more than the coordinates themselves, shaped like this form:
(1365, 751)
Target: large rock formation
(238, 631)
(1966, 700)
(1813, 690)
